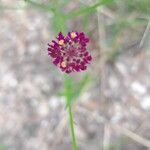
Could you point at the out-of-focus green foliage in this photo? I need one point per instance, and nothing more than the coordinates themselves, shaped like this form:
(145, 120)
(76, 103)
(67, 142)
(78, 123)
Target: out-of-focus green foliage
(138, 5)
(74, 88)
(3, 147)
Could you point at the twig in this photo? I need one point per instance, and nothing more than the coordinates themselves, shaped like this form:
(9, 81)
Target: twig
(133, 136)
(60, 126)
(107, 12)
(145, 34)
(106, 139)
(127, 132)
(118, 128)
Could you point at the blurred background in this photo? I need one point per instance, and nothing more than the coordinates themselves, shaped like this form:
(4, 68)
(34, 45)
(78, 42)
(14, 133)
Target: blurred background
(113, 110)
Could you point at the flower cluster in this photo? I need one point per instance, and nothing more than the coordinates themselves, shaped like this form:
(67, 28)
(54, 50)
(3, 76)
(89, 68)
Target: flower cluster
(69, 52)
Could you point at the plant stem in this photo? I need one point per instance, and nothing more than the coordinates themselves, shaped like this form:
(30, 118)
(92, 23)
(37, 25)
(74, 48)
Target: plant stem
(72, 125)
(68, 87)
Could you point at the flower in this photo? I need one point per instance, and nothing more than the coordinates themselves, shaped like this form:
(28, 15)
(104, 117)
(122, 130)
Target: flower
(69, 52)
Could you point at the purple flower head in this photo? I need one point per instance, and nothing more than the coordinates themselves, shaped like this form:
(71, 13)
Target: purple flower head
(69, 52)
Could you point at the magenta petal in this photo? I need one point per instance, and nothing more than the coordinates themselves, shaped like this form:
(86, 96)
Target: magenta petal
(60, 36)
(56, 61)
(54, 55)
(71, 55)
(89, 58)
(83, 67)
(68, 71)
(77, 68)
(86, 53)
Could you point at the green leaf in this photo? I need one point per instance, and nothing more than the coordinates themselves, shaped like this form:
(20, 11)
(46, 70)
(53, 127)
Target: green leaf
(107, 2)
(74, 88)
(59, 22)
(81, 86)
(88, 9)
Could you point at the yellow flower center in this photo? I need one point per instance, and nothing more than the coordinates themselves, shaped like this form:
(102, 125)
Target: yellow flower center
(63, 64)
(73, 35)
(61, 42)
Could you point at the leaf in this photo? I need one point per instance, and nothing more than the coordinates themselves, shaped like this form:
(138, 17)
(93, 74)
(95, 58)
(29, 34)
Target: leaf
(83, 10)
(88, 9)
(80, 86)
(59, 22)
(107, 2)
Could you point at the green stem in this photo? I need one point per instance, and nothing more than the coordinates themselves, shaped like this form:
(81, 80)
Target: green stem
(68, 94)
(72, 126)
